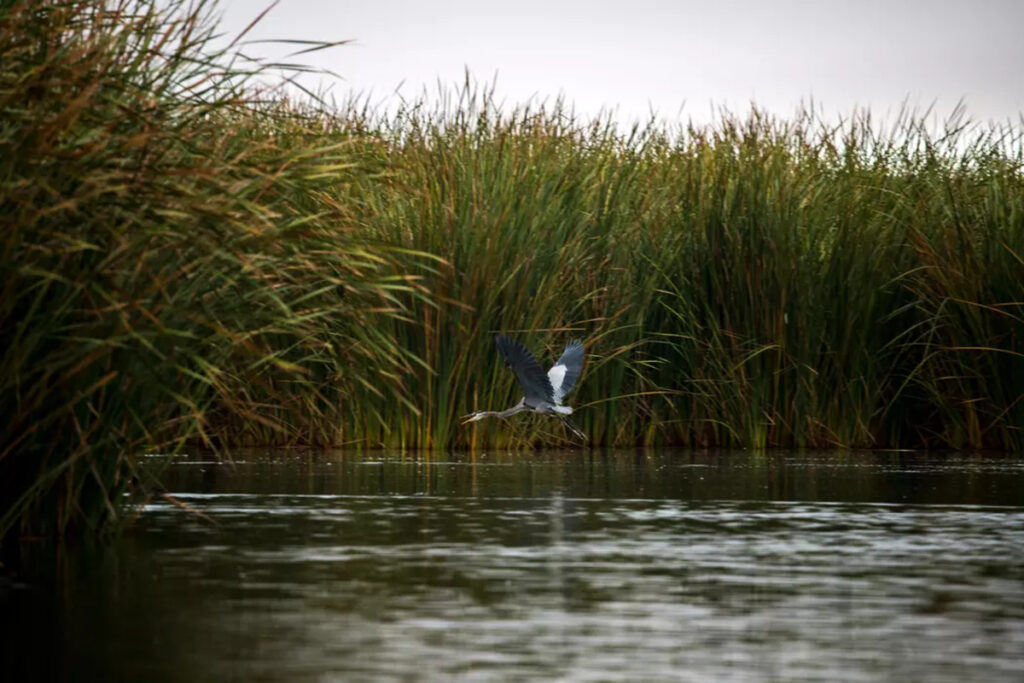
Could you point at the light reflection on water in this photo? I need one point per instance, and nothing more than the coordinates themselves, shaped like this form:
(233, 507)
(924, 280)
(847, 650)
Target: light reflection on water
(622, 566)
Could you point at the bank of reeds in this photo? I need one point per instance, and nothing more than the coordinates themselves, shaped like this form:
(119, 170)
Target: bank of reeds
(757, 282)
(188, 259)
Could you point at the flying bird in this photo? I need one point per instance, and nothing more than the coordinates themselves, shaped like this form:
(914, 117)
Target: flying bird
(542, 393)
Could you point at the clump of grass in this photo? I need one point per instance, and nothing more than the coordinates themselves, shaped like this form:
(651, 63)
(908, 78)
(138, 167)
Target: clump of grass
(175, 266)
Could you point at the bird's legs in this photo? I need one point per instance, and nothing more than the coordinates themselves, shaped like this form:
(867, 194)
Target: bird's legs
(572, 428)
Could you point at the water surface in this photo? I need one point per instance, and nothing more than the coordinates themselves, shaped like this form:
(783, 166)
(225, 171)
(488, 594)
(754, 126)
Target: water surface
(639, 566)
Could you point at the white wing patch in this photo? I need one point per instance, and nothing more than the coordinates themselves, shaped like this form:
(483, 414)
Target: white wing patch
(556, 374)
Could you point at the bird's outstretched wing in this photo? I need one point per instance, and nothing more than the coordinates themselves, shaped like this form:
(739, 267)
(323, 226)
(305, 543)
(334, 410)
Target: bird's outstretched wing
(566, 371)
(535, 384)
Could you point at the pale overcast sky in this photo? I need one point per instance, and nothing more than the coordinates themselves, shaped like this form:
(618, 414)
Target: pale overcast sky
(644, 54)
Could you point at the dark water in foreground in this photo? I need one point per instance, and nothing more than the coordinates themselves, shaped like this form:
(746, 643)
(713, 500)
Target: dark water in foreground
(667, 566)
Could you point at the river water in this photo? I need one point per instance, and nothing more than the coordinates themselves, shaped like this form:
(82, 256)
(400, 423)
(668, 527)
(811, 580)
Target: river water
(574, 566)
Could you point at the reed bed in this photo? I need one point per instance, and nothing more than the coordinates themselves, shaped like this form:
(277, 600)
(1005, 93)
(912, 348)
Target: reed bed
(757, 282)
(189, 259)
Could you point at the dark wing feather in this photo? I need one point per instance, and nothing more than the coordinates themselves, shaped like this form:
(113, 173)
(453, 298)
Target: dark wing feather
(536, 385)
(572, 359)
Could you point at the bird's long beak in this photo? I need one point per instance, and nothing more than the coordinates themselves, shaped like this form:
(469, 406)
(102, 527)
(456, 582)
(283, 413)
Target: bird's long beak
(466, 419)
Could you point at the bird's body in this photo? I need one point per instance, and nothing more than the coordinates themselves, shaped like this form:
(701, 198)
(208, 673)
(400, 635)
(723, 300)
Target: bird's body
(542, 392)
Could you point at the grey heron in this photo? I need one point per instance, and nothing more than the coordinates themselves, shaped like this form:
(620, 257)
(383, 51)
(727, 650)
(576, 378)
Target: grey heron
(542, 392)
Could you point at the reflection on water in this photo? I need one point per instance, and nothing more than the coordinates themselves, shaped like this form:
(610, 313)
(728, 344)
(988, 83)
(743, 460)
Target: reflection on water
(626, 566)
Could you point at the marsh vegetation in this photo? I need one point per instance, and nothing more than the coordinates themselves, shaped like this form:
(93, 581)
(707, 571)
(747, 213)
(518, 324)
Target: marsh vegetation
(190, 258)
